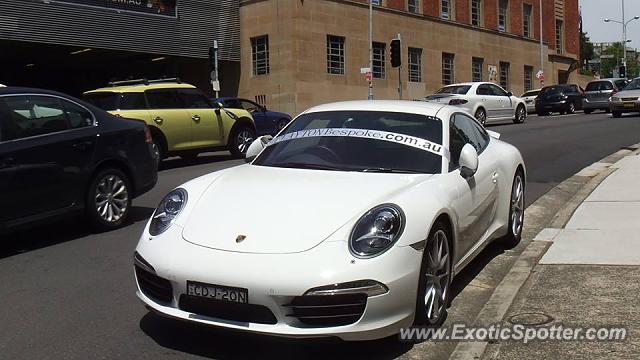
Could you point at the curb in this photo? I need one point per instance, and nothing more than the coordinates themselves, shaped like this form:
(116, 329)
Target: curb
(505, 293)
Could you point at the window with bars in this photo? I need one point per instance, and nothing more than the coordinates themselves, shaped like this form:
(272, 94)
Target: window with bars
(528, 78)
(413, 6)
(476, 12)
(260, 55)
(448, 74)
(559, 37)
(477, 64)
(415, 65)
(379, 50)
(503, 10)
(504, 75)
(527, 9)
(445, 9)
(335, 55)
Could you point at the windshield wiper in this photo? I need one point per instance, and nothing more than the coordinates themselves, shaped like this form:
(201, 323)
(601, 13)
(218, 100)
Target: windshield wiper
(301, 165)
(389, 170)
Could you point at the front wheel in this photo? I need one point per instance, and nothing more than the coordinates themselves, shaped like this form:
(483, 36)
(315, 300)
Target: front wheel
(516, 212)
(108, 199)
(521, 115)
(240, 139)
(435, 279)
(481, 116)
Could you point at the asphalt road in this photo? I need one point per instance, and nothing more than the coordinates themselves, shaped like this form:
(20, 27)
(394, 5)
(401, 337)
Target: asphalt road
(69, 293)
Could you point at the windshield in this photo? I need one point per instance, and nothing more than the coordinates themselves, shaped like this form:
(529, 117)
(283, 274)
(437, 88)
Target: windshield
(531, 93)
(633, 85)
(455, 89)
(370, 141)
(551, 90)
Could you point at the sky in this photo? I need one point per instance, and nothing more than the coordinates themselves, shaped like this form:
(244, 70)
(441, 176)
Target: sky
(595, 11)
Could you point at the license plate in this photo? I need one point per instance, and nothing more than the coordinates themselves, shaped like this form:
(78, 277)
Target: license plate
(217, 292)
(629, 105)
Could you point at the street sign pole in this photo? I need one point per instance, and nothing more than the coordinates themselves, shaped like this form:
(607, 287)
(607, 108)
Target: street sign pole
(215, 82)
(400, 73)
(370, 97)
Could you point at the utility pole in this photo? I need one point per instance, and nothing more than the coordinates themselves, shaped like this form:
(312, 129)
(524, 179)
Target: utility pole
(541, 48)
(400, 72)
(371, 49)
(624, 39)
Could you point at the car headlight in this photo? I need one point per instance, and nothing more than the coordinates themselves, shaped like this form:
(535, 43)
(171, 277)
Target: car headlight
(376, 231)
(169, 208)
(614, 98)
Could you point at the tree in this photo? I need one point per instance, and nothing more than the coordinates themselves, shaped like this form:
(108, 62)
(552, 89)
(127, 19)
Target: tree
(586, 50)
(608, 65)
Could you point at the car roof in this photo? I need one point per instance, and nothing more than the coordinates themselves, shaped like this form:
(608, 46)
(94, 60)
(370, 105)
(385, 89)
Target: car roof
(405, 106)
(142, 87)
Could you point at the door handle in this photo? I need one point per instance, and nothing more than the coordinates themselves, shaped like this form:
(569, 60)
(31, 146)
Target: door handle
(6, 162)
(158, 120)
(195, 118)
(494, 177)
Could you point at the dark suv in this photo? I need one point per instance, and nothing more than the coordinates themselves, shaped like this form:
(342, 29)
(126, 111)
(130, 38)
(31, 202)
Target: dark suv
(564, 99)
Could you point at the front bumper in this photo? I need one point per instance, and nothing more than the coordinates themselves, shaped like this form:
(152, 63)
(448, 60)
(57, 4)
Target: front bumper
(625, 106)
(274, 280)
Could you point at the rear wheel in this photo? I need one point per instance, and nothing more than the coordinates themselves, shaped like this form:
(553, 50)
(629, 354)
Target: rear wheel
(481, 116)
(616, 114)
(108, 199)
(240, 139)
(158, 148)
(516, 212)
(571, 108)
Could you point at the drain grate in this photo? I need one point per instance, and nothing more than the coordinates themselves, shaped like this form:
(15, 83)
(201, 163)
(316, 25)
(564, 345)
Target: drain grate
(530, 319)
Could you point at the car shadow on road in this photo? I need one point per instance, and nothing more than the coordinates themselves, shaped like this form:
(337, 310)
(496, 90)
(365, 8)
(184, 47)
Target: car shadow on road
(177, 162)
(474, 268)
(61, 231)
(210, 342)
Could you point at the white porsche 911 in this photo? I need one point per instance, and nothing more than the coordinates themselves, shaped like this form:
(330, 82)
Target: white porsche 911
(351, 222)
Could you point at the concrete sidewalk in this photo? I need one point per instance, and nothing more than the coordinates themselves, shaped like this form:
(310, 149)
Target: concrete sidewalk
(589, 276)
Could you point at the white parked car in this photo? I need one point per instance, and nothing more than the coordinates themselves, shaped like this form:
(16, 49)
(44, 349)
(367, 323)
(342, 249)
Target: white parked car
(529, 99)
(487, 101)
(351, 222)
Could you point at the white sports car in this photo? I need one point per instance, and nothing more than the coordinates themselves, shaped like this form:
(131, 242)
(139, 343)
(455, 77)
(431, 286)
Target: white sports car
(487, 101)
(351, 222)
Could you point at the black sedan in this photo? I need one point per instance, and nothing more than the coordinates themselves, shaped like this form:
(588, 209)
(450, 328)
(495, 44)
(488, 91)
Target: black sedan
(60, 155)
(564, 99)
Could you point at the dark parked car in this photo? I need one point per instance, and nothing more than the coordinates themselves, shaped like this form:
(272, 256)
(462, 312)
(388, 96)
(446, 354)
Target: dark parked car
(60, 155)
(267, 122)
(598, 93)
(564, 99)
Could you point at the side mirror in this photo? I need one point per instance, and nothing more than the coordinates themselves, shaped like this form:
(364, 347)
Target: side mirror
(256, 147)
(509, 94)
(468, 161)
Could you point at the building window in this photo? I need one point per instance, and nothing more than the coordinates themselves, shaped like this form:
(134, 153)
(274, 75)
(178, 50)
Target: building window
(260, 55)
(415, 65)
(476, 12)
(477, 64)
(448, 75)
(378, 60)
(503, 10)
(413, 6)
(504, 75)
(559, 37)
(335, 55)
(446, 10)
(528, 78)
(526, 20)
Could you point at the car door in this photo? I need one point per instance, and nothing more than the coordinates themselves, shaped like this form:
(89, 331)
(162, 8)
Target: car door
(205, 125)
(489, 100)
(170, 117)
(477, 201)
(264, 125)
(47, 146)
(506, 104)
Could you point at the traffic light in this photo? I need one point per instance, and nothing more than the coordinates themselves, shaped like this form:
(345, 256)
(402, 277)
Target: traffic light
(623, 71)
(396, 50)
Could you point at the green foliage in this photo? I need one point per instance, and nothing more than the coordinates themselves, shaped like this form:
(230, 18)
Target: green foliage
(608, 65)
(586, 49)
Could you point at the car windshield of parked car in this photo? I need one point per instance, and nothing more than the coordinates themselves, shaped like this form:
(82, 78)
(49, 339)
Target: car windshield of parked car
(551, 90)
(455, 89)
(369, 141)
(633, 85)
(531, 93)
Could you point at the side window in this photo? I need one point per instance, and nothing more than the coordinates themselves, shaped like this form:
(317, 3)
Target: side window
(163, 99)
(606, 86)
(498, 91)
(132, 101)
(232, 104)
(33, 116)
(193, 99)
(78, 116)
(249, 106)
(484, 90)
(465, 130)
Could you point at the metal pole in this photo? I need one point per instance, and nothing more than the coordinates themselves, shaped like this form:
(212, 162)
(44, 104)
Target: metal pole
(400, 72)
(215, 45)
(541, 47)
(624, 38)
(371, 49)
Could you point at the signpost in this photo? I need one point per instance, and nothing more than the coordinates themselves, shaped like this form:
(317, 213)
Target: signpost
(213, 58)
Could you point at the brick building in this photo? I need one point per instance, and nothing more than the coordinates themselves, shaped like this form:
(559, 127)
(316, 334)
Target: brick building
(298, 53)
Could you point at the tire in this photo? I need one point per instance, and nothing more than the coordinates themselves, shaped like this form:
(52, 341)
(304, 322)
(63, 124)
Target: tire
(571, 109)
(616, 114)
(108, 199)
(438, 236)
(516, 212)
(587, 112)
(241, 137)
(158, 148)
(481, 116)
(521, 115)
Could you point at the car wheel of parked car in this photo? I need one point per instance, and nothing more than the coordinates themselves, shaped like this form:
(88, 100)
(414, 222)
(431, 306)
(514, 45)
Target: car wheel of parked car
(587, 112)
(240, 139)
(516, 212)
(616, 114)
(108, 199)
(571, 108)
(521, 115)
(158, 148)
(481, 116)
(435, 278)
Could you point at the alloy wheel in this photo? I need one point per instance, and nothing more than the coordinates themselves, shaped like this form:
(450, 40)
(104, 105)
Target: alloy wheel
(572, 108)
(437, 276)
(112, 198)
(522, 114)
(243, 140)
(517, 206)
(481, 116)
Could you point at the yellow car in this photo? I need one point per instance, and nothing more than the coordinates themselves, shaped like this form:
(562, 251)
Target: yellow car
(183, 121)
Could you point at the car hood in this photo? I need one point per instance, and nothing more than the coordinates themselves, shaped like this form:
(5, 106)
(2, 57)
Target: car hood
(628, 93)
(280, 210)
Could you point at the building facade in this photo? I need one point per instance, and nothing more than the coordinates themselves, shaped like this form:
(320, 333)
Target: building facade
(299, 53)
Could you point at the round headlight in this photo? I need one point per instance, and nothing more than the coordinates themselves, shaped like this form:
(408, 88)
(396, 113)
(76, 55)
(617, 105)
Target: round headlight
(376, 231)
(169, 208)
